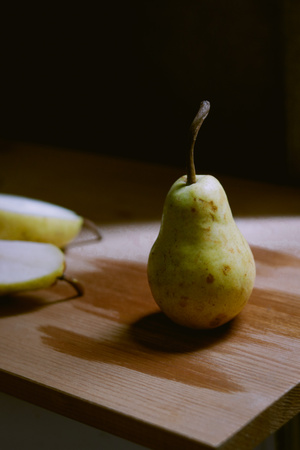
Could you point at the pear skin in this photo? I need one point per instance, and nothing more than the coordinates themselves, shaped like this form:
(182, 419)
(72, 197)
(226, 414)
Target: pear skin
(201, 270)
(24, 222)
(53, 230)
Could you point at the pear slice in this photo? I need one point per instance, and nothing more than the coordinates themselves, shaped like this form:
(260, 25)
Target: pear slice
(29, 265)
(26, 219)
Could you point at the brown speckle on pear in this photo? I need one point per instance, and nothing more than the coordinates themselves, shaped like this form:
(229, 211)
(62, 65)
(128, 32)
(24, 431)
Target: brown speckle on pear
(210, 278)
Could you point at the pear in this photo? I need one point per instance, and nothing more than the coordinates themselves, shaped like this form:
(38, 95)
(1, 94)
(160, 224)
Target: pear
(201, 270)
(31, 265)
(27, 219)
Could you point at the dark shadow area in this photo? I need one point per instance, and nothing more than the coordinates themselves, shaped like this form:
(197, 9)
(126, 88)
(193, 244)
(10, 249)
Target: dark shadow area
(127, 80)
(28, 302)
(158, 333)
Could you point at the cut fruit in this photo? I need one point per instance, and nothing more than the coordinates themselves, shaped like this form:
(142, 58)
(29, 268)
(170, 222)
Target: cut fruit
(29, 265)
(26, 219)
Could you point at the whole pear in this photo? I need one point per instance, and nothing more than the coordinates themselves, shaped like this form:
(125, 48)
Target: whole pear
(201, 270)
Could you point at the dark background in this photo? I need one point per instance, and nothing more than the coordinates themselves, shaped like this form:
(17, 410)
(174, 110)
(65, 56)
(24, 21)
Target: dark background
(127, 78)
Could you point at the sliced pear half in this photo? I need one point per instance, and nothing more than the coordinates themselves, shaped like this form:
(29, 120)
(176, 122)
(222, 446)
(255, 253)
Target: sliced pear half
(29, 265)
(27, 219)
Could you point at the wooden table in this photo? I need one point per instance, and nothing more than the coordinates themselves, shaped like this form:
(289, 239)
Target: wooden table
(110, 358)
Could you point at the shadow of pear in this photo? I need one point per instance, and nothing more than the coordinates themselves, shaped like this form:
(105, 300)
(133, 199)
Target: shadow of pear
(158, 333)
(29, 301)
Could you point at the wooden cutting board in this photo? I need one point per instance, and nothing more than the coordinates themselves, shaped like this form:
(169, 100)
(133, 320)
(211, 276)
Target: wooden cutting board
(111, 359)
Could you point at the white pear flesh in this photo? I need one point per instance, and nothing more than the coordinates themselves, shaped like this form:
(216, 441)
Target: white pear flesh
(27, 219)
(29, 265)
(201, 270)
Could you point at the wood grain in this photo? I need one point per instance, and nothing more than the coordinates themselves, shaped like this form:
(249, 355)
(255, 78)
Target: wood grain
(111, 359)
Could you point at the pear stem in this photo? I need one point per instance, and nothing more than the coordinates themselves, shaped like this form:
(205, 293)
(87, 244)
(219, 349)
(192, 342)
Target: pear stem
(89, 224)
(193, 132)
(74, 283)
(93, 227)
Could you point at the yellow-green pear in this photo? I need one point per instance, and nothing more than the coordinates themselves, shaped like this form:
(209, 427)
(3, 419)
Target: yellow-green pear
(27, 219)
(31, 265)
(201, 270)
